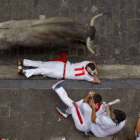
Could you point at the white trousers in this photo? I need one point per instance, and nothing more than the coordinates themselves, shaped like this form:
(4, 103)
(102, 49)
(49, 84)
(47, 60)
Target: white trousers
(53, 69)
(84, 127)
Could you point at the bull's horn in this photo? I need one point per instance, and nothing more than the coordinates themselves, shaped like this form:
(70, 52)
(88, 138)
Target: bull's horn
(89, 44)
(94, 18)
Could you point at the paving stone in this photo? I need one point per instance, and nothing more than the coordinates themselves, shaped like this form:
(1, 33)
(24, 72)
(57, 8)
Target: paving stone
(133, 51)
(110, 60)
(117, 51)
(138, 4)
(4, 111)
(9, 127)
(116, 30)
(74, 59)
(137, 23)
(122, 4)
(131, 26)
(132, 39)
(106, 138)
(138, 13)
(29, 126)
(80, 9)
(36, 2)
(28, 101)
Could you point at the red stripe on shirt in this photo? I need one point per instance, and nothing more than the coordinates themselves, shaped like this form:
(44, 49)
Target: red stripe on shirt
(80, 74)
(77, 69)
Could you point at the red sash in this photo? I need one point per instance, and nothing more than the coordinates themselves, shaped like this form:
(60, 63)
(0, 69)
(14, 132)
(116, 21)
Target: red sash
(63, 57)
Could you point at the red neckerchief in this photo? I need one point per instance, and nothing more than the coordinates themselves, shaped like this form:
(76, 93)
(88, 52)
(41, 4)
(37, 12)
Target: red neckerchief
(98, 105)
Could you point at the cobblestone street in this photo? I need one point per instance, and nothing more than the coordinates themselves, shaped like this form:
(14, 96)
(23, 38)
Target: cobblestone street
(117, 39)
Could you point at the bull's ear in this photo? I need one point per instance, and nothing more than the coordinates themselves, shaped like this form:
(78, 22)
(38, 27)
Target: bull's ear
(89, 45)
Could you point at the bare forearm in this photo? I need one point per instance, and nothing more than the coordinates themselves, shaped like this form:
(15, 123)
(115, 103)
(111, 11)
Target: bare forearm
(93, 117)
(96, 80)
(107, 110)
(86, 99)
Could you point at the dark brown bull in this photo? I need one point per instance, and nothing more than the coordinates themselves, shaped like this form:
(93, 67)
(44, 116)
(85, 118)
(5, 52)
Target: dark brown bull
(57, 30)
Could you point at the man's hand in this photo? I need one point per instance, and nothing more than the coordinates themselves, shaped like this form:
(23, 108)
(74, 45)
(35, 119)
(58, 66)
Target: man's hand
(95, 72)
(93, 116)
(96, 80)
(92, 104)
(91, 93)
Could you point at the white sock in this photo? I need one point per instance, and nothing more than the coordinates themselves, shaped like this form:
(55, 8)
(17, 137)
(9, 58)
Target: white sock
(24, 71)
(68, 110)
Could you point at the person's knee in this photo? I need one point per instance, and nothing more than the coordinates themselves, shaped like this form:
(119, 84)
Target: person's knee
(42, 71)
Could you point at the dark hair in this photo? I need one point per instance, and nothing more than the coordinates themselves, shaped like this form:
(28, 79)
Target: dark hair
(97, 98)
(91, 65)
(120, 115)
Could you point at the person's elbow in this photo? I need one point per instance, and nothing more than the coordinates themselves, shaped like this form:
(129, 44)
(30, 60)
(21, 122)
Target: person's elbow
(93, 120)
(96, 81)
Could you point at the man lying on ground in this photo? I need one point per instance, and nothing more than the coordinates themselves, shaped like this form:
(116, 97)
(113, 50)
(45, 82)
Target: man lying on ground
(60, 69)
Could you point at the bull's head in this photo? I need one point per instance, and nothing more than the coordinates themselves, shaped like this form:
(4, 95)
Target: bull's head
(89, 40)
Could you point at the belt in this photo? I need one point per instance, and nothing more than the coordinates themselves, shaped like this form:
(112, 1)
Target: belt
(64, 71)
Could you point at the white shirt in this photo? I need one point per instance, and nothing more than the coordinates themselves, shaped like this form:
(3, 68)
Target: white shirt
(87, 112)
(101, 111)
(104, 126)
(78, 71)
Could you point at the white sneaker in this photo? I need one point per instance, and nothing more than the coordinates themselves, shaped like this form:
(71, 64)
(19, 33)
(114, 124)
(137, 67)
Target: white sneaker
(62, 112)
(57, 85)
